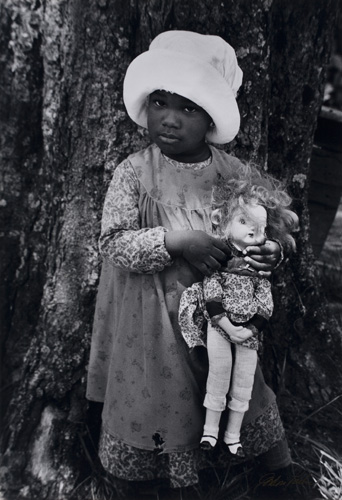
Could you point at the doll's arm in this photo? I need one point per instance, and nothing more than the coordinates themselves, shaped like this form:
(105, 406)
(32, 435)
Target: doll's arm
(212, 290)
(256, 324)
(263, 298)
(262, 304)
(237, 333)
(123, 242)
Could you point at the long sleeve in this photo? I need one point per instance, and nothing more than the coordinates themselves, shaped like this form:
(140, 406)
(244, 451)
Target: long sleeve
(263, 305)
(123, 242)
(263, 298)
(213, 293)
(212, 288)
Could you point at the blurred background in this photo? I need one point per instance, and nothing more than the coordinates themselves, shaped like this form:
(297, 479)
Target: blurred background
(325, 202)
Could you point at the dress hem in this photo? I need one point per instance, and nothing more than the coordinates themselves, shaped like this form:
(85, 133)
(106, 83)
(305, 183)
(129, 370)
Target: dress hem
(139, 446)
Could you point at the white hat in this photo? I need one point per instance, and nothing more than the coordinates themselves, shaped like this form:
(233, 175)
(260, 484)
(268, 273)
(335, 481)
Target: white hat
(202, 68)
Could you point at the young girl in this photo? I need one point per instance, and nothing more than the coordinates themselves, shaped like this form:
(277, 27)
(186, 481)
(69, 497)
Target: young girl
(156, 241)
(235, 299)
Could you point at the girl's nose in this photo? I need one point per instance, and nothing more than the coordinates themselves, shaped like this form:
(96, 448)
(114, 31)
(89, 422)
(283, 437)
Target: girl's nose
(171, 119)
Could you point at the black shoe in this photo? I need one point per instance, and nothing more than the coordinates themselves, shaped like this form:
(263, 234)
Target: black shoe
(206, 445)
(239, 452)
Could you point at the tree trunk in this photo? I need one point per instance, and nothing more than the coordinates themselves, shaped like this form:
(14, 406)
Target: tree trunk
(310, 341)
(63, 119)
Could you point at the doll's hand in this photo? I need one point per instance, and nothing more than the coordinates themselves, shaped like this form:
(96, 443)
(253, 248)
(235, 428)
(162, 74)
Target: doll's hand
(240, 334)
(263, 258)
(237, 334)
(203, 251)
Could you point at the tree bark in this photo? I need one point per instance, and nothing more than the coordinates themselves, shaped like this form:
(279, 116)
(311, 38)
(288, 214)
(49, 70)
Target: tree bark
(63, 119)
(299, 44)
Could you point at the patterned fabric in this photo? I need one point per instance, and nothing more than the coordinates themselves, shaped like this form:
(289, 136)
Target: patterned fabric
(140, 367)
(182, 468)
(133, 464)
(122, 240)
(192, 166)
(193, 317)
(241, 296)
(262, 434)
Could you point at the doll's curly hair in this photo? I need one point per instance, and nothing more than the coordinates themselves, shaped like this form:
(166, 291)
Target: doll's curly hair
(246, 185)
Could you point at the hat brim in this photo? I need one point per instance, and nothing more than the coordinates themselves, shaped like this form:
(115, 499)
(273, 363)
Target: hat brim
(161, 69)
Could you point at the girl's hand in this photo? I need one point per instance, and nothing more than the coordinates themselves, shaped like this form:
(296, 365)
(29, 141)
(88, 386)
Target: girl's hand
(237, 334)
(203, 251)
(263, 258)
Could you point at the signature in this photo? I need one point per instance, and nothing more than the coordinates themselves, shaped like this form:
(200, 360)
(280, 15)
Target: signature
(273, 480)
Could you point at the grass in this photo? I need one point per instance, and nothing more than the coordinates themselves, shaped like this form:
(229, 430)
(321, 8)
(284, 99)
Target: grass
(329, 480)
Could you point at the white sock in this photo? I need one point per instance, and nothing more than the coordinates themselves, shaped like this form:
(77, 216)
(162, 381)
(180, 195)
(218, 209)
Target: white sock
(232, 441)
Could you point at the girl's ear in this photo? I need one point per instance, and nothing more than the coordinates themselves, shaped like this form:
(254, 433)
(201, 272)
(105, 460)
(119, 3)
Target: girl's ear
(216, 217)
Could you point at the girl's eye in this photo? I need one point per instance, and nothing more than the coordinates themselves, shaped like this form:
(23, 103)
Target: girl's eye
(190, 109)
(242, 221)
(158, 103)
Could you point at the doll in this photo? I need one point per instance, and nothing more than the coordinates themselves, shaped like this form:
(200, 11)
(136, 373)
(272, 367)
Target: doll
(246, 210)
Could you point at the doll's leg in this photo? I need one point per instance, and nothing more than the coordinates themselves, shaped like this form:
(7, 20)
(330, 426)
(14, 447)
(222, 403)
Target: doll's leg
(240, 393)
(218, 381)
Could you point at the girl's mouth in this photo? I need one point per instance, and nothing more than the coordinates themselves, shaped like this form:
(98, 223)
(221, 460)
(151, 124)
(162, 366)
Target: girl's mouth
(168, 138)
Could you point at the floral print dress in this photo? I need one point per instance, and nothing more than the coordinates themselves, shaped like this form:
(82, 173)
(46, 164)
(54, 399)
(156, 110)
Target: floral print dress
(242, 297)
(151, 384)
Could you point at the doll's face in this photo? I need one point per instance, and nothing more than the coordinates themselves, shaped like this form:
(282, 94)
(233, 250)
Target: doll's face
(247, 226)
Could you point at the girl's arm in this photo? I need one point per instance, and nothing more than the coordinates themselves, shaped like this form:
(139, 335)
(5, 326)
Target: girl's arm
(123, 242)
(148, 250)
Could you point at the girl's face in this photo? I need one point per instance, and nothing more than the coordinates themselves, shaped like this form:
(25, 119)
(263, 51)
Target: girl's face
(247, 226)
(178, 126)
